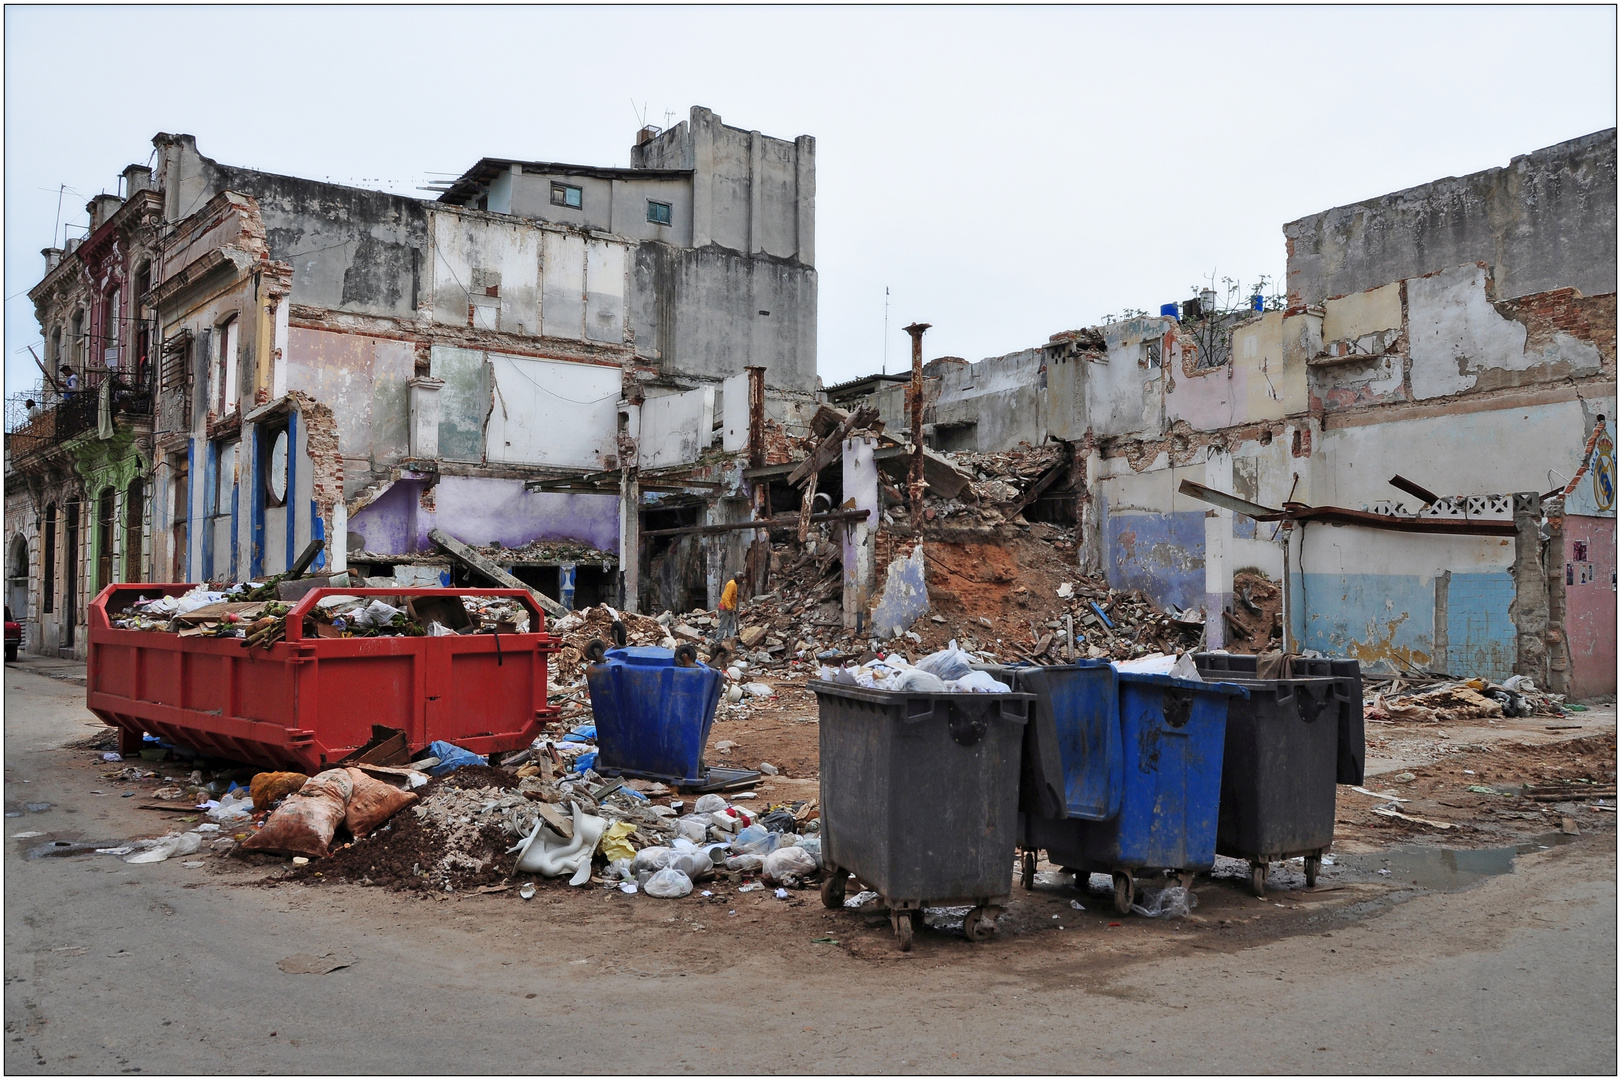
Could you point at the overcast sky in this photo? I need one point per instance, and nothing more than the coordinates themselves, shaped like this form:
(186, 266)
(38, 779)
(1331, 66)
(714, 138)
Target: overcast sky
(1007, 172)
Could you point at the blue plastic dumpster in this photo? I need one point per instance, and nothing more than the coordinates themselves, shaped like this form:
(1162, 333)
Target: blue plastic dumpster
(1171, 735)
(653, 718)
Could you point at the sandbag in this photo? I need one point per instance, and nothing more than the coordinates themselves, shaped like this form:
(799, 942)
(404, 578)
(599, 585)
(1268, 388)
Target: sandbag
(306, 819)
(269, 788)
(372, 803)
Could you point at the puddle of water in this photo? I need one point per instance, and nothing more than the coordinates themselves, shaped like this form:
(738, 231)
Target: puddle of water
(1446, 869)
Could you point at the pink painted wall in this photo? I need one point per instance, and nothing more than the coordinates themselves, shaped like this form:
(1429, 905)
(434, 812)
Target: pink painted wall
(1590, 604)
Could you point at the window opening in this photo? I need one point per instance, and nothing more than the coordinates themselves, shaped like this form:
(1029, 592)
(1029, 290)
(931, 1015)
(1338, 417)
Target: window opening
(47, 585)
(567, 195)
(658, 212)
(134, 518)
(106, 520)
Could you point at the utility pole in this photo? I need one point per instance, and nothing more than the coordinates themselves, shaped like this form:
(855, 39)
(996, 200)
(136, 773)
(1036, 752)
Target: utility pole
(916, 493)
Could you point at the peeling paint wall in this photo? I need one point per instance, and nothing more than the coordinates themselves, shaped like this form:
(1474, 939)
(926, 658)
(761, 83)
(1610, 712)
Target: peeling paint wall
(364, 380)
(1546, 221)
(677, 428)
(905, 598)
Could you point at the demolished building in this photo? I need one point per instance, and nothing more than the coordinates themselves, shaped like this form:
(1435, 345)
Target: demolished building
(1460, 334)
(533, 364)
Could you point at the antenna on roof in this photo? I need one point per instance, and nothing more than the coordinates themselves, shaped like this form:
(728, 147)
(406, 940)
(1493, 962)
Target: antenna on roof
(885, 368)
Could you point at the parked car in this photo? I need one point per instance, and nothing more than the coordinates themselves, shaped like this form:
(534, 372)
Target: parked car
(14, 637)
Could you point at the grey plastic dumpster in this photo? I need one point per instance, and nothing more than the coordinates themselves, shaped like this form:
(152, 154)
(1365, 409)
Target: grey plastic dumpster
(920, 799)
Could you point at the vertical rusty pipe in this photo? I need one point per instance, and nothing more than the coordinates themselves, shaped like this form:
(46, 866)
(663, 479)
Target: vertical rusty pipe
(916, 492)
(758, 560)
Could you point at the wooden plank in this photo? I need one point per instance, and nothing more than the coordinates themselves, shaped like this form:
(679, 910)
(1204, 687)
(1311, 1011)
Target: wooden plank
(829, 448)
(1061, 469)
(480, 565)
(781, 522)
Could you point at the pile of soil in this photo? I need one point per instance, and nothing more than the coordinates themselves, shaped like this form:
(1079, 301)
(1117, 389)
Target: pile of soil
(404, 853)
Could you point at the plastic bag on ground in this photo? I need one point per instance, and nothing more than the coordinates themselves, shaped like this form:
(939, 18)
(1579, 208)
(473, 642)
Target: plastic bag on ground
(978, 682)
(694, 863)
(651, 858)
(813, 845)
(788, 865)
(709, 804)
(167, 847)
(372, 803)
(747, 863)
(668, 884)
(949, 663)
(306, 819)
(232, 809)
(1169, 903)
(452, 757)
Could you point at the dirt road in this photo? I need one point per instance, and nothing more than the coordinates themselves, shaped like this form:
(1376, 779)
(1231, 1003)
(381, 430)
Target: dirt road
(111, 967)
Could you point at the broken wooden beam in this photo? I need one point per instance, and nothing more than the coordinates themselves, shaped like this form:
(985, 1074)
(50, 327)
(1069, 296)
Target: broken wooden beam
(484, 567)
(781, 522)
(829, 448)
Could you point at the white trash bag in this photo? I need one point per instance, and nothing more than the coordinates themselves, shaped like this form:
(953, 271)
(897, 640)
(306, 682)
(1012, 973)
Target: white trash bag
(668, 884)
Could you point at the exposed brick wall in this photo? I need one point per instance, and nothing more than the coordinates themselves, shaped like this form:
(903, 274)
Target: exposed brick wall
(326, 459)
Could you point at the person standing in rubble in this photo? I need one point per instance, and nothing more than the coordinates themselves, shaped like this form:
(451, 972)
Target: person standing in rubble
(727, 608)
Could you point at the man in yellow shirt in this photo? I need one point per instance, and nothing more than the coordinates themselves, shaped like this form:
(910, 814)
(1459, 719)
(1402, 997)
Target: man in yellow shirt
(728, 610)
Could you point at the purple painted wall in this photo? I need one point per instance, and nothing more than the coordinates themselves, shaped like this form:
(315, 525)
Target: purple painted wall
(479, 510)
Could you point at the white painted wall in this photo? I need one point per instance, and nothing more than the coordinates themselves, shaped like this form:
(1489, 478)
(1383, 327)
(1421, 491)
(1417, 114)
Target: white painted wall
(676, 428)
(552, 412)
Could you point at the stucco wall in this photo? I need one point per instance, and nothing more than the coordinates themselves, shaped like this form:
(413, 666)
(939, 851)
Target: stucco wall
(1546, 221)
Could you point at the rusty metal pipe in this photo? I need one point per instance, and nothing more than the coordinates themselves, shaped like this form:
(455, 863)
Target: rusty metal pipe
(916, 492)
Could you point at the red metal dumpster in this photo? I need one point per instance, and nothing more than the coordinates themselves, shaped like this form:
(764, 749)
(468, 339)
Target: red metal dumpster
(307, 702)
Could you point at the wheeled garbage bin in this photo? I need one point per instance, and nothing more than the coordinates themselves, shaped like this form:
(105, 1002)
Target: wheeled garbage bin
(1352, 751)
(653, 718)
(1171, 735)
(1072, 759)
(919, 794)
(1277, 775)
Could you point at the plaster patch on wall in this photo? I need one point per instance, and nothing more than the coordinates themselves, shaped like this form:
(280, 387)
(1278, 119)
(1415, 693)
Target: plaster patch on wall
(905, 598)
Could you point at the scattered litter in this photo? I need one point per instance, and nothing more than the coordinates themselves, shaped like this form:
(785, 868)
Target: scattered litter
(1173, 902)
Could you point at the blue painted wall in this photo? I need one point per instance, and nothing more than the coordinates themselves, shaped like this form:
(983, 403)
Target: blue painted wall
(1161, 554)
(1480, 636)
(1368, 616)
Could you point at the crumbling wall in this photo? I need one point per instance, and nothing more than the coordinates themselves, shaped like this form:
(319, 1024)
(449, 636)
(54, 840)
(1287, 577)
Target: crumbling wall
(1546, 221)
(1001, 399)
(363, 381)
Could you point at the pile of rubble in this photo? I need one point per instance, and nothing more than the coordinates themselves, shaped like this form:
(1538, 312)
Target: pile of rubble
(547, 815)
(1437, 700)
(239, 611)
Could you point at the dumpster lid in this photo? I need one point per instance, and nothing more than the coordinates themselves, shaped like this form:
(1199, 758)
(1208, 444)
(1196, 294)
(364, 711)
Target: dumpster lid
(643, 656)
(1232, 689)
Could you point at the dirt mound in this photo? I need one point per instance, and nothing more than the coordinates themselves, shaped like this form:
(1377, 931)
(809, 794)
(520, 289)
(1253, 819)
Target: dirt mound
(429, 850)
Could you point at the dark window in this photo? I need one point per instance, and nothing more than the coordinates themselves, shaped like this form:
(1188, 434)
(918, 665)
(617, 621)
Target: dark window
(566, 195)
(658, 212)
(134, 516)
(106, 528)
(70, 573)
(47, 585)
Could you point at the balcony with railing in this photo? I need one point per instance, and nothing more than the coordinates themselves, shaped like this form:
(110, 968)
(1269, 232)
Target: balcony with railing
(48, 415)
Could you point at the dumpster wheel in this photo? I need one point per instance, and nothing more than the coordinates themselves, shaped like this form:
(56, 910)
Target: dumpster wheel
(1124, 891)
(833, 887)
(1028, 873)
(980, 924)
(1314, 863)
(902, 922)
(1258, 878)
